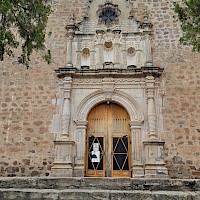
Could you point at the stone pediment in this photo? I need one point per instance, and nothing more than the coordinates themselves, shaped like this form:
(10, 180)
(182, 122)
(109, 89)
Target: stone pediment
(113, 15)
(109, 37)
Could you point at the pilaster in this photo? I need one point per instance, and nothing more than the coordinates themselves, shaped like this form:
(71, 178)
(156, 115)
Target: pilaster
(117, 48)
(79, 169)
(99, 45)
(136, 149)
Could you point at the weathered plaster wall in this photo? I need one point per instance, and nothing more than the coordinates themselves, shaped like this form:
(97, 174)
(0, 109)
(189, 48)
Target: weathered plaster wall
(26, 109)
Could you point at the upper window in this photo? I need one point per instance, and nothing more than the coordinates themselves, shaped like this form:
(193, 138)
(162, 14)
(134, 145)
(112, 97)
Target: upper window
(108, 13)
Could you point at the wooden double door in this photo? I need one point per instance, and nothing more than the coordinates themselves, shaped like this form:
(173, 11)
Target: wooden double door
(108, 142)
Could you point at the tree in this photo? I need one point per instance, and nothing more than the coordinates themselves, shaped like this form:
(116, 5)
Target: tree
(22, 25)
(189, 16)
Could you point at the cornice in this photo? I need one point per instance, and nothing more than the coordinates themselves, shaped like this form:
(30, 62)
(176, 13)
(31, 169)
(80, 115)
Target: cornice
(130, 72)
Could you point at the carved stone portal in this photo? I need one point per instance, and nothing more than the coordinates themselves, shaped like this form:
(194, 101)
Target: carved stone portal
(109, 61)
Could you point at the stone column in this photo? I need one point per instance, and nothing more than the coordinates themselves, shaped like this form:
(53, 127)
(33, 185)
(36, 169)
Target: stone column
(136, 150)
(66, 113)
(153, 155)
(64, 146)
(124, 54)
(78, 58)
(100, 58)
(92, 59)
(151, 112)
(116, 49)
(147, 49)
(71, 30)
(79, 169)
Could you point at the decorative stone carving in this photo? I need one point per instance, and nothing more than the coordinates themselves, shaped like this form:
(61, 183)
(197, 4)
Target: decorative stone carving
(150, 82)
(110, 45)
(97, 97)
(99, 28)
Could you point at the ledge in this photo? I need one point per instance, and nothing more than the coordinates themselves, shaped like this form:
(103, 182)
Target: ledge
(153, 142)
(107, 72)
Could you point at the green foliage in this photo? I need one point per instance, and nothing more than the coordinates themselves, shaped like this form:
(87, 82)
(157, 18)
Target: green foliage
(189, 16)
(23, 24)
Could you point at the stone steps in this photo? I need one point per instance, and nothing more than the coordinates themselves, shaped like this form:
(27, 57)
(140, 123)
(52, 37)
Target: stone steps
(98, 189)
(85, 194)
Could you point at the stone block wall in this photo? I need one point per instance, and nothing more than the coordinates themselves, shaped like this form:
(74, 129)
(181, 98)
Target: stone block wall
(26, 109)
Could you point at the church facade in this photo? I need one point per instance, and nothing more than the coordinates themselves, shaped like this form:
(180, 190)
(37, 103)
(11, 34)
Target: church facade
(110, 97)
(119, 99)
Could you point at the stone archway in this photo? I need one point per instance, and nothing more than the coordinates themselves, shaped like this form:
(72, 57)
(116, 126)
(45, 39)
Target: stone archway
(136, 119)
(119, 97)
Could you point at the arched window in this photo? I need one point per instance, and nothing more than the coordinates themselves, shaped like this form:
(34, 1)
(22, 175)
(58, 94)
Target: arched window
(131, 58)
(85, 57)
(108, 52)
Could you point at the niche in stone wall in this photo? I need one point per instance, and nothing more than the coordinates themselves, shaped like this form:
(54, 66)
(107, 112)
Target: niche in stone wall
(85, 57)
(108, 52)
(131, 56)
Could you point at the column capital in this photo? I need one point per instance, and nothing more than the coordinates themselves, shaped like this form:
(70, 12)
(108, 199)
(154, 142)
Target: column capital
(150, 93)
(150, 86)
(71, 26)
(81, 124)
(150, 81)
(136, 124)
(66, 94)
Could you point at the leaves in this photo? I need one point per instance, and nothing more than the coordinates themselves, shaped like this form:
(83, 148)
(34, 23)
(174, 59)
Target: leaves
(189, 16)
(29, 20)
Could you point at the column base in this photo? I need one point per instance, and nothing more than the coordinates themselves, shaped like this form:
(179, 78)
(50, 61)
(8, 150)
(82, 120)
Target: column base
(154, 160)
(69, 65)
(156, 171)
(61, 169)
(138, 171)
(79, 170)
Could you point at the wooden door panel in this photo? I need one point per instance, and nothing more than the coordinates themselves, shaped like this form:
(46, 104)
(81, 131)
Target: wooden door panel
(95, 168)
(120, 157)
(108, 121)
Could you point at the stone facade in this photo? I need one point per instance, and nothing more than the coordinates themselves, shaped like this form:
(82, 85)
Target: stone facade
(30, 99)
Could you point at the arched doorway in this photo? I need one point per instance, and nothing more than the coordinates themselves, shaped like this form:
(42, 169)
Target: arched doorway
(108, 141)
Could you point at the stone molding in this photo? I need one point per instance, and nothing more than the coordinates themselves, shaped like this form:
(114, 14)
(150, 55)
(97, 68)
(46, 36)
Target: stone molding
(99, 96)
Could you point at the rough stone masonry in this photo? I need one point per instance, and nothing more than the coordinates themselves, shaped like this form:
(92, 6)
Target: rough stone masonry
(26, 109)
